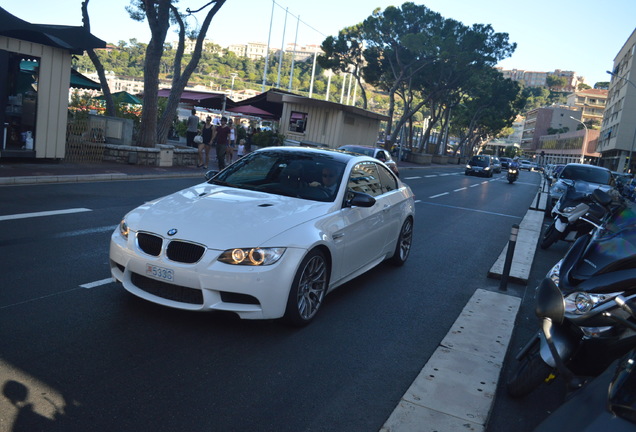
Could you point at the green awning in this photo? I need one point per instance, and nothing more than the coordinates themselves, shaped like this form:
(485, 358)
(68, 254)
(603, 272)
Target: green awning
(77, 79)
(123, 97)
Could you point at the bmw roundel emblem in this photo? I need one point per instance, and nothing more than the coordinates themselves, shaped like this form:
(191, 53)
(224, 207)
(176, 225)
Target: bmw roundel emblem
(172, 232)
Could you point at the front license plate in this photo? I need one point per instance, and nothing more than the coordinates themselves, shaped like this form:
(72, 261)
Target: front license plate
(160, 272)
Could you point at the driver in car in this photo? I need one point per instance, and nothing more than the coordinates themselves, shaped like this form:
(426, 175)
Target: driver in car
(329, 180)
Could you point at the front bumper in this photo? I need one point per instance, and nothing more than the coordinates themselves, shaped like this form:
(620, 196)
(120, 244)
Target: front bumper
(208, 285)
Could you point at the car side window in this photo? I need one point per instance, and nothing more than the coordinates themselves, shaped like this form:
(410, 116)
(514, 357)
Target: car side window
(388, 180)
(365, 178)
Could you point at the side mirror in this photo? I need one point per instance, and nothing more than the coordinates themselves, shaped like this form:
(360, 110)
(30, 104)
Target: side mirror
(359, 199)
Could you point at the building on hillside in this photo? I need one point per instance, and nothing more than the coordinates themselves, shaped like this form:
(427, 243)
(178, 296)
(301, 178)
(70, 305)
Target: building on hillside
(303, 52)
(256, 50)
(189, 44)
(591, 102)
(540, 79)
(618, 132)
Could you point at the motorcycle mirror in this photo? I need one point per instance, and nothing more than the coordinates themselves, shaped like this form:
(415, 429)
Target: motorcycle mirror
(550, 302)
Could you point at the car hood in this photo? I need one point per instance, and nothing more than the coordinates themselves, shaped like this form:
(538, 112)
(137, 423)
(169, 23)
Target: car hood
(223, 217)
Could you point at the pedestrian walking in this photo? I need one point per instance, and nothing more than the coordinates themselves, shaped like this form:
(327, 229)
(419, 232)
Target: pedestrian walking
(229, 154)
(193, 129)
(240, 151)
(222, 142)
(205, 147)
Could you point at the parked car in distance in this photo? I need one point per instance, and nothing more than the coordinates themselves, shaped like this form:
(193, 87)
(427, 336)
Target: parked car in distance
(482, 165)
(525, 165)
(595, 177)
(375, 152)
(310, 220)
(552, 172)
(505, 161)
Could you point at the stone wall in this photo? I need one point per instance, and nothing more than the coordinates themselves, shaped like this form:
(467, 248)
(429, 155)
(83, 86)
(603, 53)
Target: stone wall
(161, 155)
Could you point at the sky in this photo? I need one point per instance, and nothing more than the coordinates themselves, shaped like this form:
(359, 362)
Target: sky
(582, 36)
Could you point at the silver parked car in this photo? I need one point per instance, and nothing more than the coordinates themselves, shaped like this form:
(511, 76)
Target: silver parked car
(596, 178)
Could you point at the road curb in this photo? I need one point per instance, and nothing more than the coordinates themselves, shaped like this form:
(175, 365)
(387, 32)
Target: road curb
(456, 389)
(81, 178)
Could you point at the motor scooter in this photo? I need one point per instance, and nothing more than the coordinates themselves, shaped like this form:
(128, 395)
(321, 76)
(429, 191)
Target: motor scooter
(598, 267)
(513, 174)
(606, 403)
(576, 213)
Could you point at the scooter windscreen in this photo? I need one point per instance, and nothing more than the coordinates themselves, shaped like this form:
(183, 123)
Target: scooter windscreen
(612, 248)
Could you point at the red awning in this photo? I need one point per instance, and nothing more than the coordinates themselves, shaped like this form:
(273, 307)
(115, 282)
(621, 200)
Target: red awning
(252, 111)
(201, 99)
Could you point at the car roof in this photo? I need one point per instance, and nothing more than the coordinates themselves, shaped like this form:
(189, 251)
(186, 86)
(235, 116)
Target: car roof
(337, 155)
(588, 166)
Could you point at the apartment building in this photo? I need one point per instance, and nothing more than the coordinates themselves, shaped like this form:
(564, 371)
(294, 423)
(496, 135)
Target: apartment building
(591, 103)
(618, 132)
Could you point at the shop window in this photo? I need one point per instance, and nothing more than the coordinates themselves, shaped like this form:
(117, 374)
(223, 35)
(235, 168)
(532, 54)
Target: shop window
(18, 96)
(298, 122)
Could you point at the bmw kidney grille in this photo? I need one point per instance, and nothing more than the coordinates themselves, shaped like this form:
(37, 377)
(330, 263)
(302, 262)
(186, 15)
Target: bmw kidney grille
(177, 250)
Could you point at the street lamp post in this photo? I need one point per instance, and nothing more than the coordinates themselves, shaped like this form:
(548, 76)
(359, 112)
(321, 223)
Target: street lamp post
(233, 75)
(631, 151)
(584, 146)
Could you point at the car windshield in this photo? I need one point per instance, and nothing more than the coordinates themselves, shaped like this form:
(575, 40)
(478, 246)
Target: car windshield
(590, 175)
(300, 174)
(482, 161)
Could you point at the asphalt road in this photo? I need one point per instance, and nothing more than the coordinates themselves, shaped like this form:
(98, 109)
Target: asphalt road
(78, 353)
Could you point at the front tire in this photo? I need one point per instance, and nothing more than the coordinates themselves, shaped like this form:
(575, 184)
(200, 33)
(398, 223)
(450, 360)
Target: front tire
(308, 289)
(531, 373)
(550, 236)
(404, 242)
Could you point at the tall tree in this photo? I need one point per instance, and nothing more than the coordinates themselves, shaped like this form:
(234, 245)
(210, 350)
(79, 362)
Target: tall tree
(99, 68)
(344, 54)
(418, 55)
(158, 13)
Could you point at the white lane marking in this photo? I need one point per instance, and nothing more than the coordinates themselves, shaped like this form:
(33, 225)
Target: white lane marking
(460, 189)
(97, 283)
(85, 231)
(430, 175)
(469, 209)
(413, 178)
(439, 195)
(43, 213)
(475, 185)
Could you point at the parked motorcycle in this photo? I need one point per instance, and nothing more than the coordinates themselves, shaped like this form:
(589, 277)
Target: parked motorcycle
(608, 402)
(513, 175)
(583, 341)
(576, 213)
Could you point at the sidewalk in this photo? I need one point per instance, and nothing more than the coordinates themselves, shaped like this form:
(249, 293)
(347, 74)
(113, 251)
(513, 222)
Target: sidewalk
(47, 171)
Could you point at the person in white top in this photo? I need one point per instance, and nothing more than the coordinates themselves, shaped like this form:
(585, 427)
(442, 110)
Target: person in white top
(240, 152)
(229, 153)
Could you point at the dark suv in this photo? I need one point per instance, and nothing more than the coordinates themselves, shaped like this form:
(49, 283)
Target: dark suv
(482, 165)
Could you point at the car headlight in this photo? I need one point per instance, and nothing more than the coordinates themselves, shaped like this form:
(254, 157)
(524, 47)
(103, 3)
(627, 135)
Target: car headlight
(252, 256)
(123, 228)
(468, 167)
(580, 303)
(486, 169)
